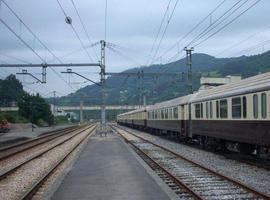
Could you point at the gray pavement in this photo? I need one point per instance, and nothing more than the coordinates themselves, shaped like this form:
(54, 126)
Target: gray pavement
(107, 169)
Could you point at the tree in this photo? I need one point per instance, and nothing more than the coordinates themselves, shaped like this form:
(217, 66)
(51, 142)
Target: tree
(11, 89)
(34, 108)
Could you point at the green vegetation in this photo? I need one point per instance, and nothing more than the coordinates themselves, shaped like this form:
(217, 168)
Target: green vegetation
(61, 120)
(32, 108)
(10, 90)
(13, 117)
(36, 109)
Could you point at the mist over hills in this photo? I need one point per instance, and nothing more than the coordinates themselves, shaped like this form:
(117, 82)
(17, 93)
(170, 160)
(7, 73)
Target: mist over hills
(129, 90)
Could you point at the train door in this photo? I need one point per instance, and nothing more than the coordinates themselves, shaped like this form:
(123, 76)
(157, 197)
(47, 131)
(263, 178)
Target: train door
(182, 118)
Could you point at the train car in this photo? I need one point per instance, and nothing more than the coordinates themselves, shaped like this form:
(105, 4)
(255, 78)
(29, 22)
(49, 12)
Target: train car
(234, 113)
(136, 118)
(170, 117)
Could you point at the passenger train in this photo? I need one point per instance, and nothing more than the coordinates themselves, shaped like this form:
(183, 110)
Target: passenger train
(236, 115)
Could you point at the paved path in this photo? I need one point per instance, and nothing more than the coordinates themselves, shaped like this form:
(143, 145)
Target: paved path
(107, 169)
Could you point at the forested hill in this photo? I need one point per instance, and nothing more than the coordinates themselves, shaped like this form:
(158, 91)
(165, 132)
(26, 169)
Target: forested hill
(126, 90)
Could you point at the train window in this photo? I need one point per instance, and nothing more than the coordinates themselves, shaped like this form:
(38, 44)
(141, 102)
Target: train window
(175, 113)
(197, 110)
(207, 110)
(170, 113)
(223, 108)
(255, 106)
(211, 109)
(201, 110)
(236, 107)
(244, 102)
(264, 105)
(217, 109)
(162, 114)
(166, 114)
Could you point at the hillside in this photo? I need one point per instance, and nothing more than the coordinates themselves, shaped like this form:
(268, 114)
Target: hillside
(127, 90)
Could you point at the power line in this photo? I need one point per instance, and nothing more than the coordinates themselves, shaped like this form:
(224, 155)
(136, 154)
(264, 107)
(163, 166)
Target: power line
(124, 56)
(168, 22)
(263, 43)
(35, 36)
(13, 57)
(231, 21)
(76, 51)
(105, 25)
(194, 28)
(159, 29)
(242, 41)
(216, 22)
(23, 41)
(84, 28)
(74, 30)
(214, 25)
(29, 29)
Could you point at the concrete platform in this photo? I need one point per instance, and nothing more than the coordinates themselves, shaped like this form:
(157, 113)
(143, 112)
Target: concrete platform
(107, 169)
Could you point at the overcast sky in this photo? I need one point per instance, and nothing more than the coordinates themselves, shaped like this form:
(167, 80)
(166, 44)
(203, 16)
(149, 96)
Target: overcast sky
(131, 26)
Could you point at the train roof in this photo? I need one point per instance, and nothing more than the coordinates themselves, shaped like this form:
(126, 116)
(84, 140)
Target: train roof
(171, 103)
(249, 85)
(134, 111)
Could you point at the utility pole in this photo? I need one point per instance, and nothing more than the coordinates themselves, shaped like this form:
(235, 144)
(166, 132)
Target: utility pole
(102, 81)
(189, 65)
(54, 102)
(81, 110)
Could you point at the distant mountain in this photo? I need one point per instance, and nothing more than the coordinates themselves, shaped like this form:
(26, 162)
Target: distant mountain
(127, 90)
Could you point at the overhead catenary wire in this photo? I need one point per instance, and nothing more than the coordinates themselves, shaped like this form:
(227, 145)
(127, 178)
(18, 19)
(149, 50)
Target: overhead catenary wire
(163, 34)
(231, 21)
(75, 32)
(159, 29)
(123, 56)
(216, 22)
(194, 28)
(219, 21)
(36, 37)
(242, 41)
(256, 46)
(29, 29)
(105, 20)
(84, 28)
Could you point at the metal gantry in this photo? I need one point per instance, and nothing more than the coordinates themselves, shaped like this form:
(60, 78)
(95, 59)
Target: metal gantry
(189, 65)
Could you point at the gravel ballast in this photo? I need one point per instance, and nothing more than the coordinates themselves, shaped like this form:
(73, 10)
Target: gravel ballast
(13, 186)
(252, 176)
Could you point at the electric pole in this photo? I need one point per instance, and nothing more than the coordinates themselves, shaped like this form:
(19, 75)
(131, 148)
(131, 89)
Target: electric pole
(54, 102)
(81, 110)
(102, 81)
(189, 65)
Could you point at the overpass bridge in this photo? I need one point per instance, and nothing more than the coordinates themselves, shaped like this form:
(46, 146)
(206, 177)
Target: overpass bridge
(75, 108)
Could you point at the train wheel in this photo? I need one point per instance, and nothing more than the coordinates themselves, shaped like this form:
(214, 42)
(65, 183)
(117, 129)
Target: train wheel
(246, 148)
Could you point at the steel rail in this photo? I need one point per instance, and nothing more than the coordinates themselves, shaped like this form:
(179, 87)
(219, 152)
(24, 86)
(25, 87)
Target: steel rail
(19, 147)
(239, 184)
(30, 193)
(175, 180)
(5, 173)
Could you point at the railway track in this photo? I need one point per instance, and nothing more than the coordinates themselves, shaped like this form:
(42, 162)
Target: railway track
(24, 145)
(48, 159)
(189, 180)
